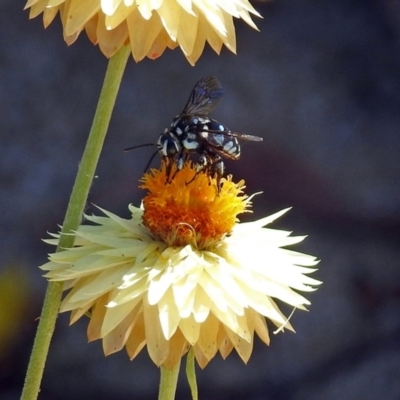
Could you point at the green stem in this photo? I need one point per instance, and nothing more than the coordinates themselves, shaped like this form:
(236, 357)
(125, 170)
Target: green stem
(168, 382)
(191, 374)
(73, 216)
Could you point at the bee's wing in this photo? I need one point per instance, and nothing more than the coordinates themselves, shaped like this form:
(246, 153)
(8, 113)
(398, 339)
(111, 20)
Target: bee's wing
(215, 140)
(205, 96)
(243, 136)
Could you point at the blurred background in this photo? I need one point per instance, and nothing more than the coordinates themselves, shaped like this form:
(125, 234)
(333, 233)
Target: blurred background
(320, 83)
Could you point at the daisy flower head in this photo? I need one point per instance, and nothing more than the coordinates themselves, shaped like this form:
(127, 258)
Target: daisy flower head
(182, 272)
(148, 26)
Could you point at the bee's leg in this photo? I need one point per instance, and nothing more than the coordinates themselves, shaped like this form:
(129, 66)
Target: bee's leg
(180, 163)
(217, 170)
(169, 162)
(201, 166)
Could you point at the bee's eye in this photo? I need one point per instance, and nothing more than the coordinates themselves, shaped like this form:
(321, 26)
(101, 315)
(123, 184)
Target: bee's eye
(171, 148)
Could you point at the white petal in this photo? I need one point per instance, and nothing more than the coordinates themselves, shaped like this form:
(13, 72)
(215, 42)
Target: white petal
(169, 314)
(109, 6)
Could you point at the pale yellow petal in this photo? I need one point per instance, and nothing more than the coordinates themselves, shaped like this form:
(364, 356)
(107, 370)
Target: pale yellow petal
(137, 338)
(67, 305)
(257, 323)
(91, 29)
(246, 5)
(243, 347)
(229, 7)
(107, 239)
(135, 276)
(199, 43)
(184, 294)
(187, 5)
(97, 285)
(145, 8)
(177, 349)
(109, 6)
(168, 314)
(159, 45)
(214, 40)
(190, 329)
(158, 287)
(54, 3)
(221, 274)
(201, 359)
(225, 346)
(80, 312)
(155, 4)
(260, 223)
(277, 323)
(30, 3)
(208, 337)
(246, 18)
(214, 291)
(142, 34)
(230, 37)
(48, 16)
(79, 12)
(112, 21)
(115, 315)
(157, 345)
(116, 339)
(110, 41)
(212, 14)
(169, 13)
(187, 32)
(201, 306)
(265, 306)
(119, 297)
(98, 312)
(36, 9)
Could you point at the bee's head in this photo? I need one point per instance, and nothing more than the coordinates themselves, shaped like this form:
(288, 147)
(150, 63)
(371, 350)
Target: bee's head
(168, 145)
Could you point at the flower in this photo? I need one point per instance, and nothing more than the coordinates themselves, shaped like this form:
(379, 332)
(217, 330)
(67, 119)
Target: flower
(182, 272)
(148, 26)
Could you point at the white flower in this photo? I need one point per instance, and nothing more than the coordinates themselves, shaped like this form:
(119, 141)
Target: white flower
(148, 26)
(142, 291)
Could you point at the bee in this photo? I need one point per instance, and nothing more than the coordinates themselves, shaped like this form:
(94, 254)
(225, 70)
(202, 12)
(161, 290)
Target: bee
(192, 131)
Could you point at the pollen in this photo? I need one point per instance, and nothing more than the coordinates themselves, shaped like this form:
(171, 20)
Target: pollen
(190, 208)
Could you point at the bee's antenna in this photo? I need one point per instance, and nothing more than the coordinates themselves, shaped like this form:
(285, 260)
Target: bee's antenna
(139, 146)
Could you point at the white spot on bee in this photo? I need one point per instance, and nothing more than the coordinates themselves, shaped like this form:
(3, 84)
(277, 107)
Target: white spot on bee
(221, 128)
(190, 145)
(205, 128)
(178, 130)
(229, 147)
(219, 139)
(204, 135)
(164, 148)
(191, 136)
(195, 120)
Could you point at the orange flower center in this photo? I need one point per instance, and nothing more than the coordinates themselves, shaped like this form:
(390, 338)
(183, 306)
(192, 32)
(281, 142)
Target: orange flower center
(196, 213)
